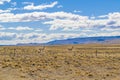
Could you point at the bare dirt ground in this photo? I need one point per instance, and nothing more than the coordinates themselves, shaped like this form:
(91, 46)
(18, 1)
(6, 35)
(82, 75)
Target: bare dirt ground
(82, 62)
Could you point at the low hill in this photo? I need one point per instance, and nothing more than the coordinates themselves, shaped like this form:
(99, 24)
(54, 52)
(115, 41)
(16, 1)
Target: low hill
(85, 40)
(88, 40)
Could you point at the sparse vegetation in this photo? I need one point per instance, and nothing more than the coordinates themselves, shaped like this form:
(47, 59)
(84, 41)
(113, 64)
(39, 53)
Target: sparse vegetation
(84, 62)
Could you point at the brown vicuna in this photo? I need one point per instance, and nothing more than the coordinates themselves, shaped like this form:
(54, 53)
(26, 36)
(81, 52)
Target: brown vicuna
(14, 52)
(41, 49)
(70, 49)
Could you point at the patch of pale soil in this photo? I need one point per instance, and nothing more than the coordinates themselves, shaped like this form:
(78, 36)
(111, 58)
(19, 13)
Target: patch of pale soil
(13, 74)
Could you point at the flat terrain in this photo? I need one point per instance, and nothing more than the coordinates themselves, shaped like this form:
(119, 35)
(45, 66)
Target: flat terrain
(65, 62)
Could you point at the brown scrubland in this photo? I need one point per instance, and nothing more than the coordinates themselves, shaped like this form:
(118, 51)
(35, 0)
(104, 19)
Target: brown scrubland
(60, 62)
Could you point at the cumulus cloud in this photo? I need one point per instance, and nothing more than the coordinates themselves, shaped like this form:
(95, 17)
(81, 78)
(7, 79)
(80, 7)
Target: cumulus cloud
(112, 20)
(14, 38)
(111, 29)
(2, 1)
(4, 11)
(40, 7)
(2, 28)
(67, 24)
(7, 36)
(75, 24)
(64, 20)
(35, 16)
(20, 28)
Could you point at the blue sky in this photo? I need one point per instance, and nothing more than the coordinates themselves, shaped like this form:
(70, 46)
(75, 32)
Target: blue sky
(39, 21)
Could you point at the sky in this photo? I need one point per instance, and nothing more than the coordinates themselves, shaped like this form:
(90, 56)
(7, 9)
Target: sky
(41, 21)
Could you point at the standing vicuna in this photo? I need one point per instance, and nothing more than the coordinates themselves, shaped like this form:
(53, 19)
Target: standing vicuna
(13, 54)
(41, 49)
(96, 53)
(70, 49)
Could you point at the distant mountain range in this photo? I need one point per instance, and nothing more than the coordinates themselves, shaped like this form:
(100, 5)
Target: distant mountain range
(85, 40)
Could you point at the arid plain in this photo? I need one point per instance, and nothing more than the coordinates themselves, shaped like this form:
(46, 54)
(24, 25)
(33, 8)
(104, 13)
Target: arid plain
(60, 62)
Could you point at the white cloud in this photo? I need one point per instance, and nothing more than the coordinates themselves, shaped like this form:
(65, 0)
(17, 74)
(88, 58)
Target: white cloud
(12, 9)
(40, 7)
(111, 29)
(112, 21)
(14, 38)
(103, 16)
(6, 36)
(75, 24)
(66, 24)
(2, 1)
(2, 28)
(35, 16)
(64, 20)
(4, 11)
(77, 11)
(20, 28)
(116, 33)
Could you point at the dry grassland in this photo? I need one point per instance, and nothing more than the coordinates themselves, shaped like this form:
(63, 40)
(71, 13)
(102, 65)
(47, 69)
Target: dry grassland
(82, 62)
